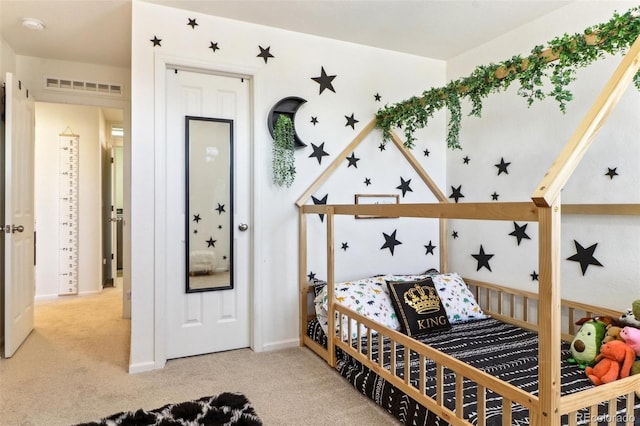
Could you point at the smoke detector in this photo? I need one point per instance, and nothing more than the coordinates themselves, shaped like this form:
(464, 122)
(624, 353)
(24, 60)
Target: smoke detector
(33, 24)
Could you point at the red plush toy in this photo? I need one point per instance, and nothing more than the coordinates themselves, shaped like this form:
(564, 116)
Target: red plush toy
(614, 362)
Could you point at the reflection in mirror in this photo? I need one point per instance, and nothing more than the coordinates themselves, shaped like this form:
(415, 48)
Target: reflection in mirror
(209, 204)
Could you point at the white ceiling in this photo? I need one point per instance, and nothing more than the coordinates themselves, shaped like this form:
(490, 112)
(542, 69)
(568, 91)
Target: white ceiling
(99, 31)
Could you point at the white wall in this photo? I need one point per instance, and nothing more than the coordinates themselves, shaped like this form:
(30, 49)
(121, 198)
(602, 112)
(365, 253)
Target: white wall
(361, 72)
(530, 139)
(51, 120)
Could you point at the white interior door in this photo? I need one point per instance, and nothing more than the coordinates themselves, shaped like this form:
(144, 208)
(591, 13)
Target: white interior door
(207, 321)
(19, 215)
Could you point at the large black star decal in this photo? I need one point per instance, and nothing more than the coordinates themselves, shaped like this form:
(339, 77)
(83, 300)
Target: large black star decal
(265, 54)
(377, 97)
(502, 167)
(430, 247)
(353, 161)
(196, 218)
(211, 242)
(520, 232)
(585, 256)
(351, 121)
(324, 81)
(404, 186)
(220, 208)
(213, 46)
(367, 181)
(156, 41)
(483, 259)
(322, 200)
(318, 152)
(345, 246)
(612, 172)
(390, 242)
(457, 193)
(192, 23)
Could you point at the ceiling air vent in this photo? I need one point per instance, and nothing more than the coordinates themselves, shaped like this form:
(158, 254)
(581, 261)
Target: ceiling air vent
(88, 87)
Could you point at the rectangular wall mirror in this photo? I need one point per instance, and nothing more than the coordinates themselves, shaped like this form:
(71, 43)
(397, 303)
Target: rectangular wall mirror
(209, 204)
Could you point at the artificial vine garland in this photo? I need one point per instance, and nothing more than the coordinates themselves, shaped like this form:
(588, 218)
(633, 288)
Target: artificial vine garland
(284, 170)
(557, 63)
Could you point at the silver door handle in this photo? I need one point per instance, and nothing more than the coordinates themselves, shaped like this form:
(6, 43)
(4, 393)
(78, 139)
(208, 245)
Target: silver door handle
(243, 227)
(18, 228)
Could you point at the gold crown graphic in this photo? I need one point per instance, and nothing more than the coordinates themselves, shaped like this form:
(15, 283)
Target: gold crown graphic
(423, 299)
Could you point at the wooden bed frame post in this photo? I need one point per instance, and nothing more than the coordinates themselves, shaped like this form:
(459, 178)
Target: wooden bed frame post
(302, 271)
(330, 287)
(549, 306)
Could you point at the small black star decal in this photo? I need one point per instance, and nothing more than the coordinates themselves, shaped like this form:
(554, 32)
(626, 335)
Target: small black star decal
(404, 186)
(324, 81)
(502, 167)
(466, 159)
(318, 152)
(585, 256)
(211, 242)
(377, 97)
(456, 194)
(382, 147)
(483, 259)
(430, 247)
(322, 200)
(311, 275)
(367, 181)
(213, 46)
(192, 23)
(220, 208)
(224, 257)
(314, 120)
(345, 246)
(196, 218)
(520, 232)
(426, 152)
(612, 172)
(390, 242)
(353, 161)
(156, 41)
(534, 276)
(265, 54)
(454, 234)
(195, 231)
(494, 196)
(351, 121)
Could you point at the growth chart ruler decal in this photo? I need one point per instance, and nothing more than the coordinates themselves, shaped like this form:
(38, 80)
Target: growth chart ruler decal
(68, 159)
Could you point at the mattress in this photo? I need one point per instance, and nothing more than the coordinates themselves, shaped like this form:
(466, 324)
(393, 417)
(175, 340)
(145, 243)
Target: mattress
(503, 350)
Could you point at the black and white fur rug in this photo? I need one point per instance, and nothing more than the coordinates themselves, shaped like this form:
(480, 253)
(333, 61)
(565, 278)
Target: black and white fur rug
(228, 409)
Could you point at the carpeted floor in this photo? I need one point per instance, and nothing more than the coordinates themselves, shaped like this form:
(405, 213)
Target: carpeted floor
(73, 369)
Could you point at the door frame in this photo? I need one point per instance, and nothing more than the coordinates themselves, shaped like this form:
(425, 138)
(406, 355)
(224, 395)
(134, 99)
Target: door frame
(160, 226)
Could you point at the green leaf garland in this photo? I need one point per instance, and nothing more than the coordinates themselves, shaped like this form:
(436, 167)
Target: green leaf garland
(284, 170)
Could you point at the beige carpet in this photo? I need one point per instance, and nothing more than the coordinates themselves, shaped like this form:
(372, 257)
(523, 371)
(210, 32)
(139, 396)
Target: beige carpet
(73, 368)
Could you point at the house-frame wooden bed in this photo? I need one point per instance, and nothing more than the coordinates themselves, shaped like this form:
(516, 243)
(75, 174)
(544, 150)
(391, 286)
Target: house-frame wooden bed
(553, 324)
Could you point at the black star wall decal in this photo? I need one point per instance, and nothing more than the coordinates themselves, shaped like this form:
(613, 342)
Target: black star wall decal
(345, 246)
(502, 167)
(211, 242)
(311, 275)
(318, 152)
(314, 120)
(192, 23)
(324, 81)
(466, 159)
(196, 218)
(494, 196)
(317, 201)
(585, 256)
(265, 54)
(426, 152)
(220, 208)
(611, 173)
(483, 259)
(367, 181)
(457, 193)
(390, 242)
(156, 41)
(377, 97)
(404, 186)
(520, 232)
(351, 121)
(534, 276)
(353, 161)
(430, 247)
(454, 234)
(382, 147)
(213, 46)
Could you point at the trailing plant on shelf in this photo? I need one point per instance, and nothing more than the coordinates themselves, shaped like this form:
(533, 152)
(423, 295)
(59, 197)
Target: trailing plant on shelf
(556, 63)
(284, 170)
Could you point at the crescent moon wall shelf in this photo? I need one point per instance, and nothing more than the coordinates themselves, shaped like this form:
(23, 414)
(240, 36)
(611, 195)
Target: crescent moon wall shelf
(287, 106)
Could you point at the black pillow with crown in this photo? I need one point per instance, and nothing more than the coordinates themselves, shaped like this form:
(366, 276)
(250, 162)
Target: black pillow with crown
(418, 306)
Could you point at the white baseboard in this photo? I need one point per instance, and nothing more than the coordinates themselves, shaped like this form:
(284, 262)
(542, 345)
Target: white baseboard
(282, 344)
(143, 367)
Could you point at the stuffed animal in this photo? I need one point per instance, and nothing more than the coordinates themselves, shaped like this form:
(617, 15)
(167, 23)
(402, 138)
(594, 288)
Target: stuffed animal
(631, 337)
(614, 362)
(632, 315)
(635, 369)
(612, 333)
(585, 347)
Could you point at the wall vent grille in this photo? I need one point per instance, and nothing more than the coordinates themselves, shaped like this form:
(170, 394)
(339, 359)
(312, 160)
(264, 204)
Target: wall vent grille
(89, 87)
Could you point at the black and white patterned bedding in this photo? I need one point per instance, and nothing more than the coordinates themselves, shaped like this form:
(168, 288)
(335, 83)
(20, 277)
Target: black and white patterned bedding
(497, 348)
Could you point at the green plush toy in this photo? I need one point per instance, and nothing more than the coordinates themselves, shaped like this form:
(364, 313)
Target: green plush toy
(635, 369)
(585, 347)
